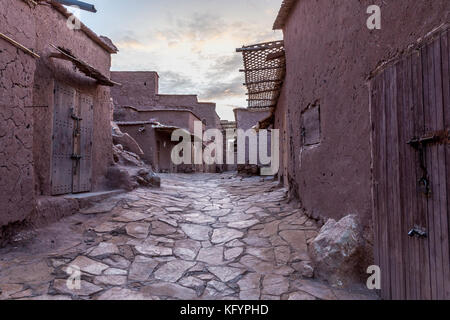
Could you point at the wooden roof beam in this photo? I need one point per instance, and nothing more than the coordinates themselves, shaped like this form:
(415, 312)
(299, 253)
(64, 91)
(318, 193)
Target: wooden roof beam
(263, 81)
(261, 69)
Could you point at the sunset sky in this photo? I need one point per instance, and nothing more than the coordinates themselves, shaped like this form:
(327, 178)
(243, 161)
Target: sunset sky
(190, 43)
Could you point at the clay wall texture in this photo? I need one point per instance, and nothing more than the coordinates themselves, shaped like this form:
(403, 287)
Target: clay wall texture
(26, 133)
(329, 55)
(16, 121)
(246, 119)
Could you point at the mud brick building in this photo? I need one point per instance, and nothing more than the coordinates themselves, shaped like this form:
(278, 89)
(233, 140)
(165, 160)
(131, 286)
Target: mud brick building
(54, 86)
(347, 100)
(248, 119)
(138, 99)
(152, 129)
(141, 89)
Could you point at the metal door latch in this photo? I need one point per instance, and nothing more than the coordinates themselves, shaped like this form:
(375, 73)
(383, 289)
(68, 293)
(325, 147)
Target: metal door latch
(76, 157)
(418, 232)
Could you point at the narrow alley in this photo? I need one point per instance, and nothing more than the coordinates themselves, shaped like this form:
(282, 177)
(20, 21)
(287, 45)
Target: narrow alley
(201, 236)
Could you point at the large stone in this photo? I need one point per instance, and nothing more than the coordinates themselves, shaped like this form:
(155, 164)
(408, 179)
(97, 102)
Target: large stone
(173, 271)
(154, 251)
(36, 272)
(104, 249)
(296, 239)
(186, 249)
(170, 290)
(275, 285)
(226, 274)
(142, 268)
(243, 224)
(338, 252)
(198, 218)
(161, 229)
(138, 230)
(88, 265)
(113, 280)
(128, 143)
(224, 235)
(211, 255)
(120, 294)
(196, 232)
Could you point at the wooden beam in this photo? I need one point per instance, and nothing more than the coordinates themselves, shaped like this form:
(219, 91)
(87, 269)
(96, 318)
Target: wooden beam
(263, 81)
(264, 91)
(18, 45)
(262, 46)
(260, 69)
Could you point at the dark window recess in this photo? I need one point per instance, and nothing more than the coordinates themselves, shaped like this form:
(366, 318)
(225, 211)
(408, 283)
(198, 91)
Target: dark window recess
(310, 126)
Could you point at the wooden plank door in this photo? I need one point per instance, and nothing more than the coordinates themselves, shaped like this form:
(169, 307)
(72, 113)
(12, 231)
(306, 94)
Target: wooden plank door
(62, 139)
(410, 123)
(82, 177)
(71, 141)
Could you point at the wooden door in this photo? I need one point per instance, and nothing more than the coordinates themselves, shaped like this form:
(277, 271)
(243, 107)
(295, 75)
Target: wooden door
(71, 141)
(82, 173)
(62, 139)
(410, 114)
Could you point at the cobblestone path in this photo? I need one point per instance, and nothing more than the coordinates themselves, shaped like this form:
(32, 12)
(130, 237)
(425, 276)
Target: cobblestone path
(198, 237)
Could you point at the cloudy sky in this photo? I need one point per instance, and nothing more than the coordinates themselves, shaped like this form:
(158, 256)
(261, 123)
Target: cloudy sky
(190, 43)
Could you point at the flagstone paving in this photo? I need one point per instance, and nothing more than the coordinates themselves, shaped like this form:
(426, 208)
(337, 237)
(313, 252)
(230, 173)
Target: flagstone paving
(204, 237)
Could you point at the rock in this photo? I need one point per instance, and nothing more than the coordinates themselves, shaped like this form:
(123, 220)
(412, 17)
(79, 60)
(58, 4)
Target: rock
(162, 229)
(107, 227)
(170, 290)
(338, 252)
(304, 268)
(173, 271)
(88, 265)
(282, 255)
(275, 285)
(128, 143)
(211, 256)
(300, 296)
(131, 216)
(186, 249)
(138, 230)
(154, 251)
(142, 268)
(243, 224)
(250, 295)
(196, 232)
(224, 235)
(250, 281)
(8, 290)
(117, 261)
(119, 178)
(226, 274)
(86, 288)
(198, 218)
(296, 239)
(315, 289)
(113, 280)
(104, 249)
(120, 294)
(233, 253)
(115, 272)
(192, 282)
(265, 254)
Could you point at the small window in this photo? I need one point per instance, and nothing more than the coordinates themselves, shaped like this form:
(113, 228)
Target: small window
(310, 125)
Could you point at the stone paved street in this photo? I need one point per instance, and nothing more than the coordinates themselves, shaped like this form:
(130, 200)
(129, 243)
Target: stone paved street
(198, 237)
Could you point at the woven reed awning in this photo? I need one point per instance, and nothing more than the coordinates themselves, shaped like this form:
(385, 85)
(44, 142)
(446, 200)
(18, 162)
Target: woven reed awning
(265, 68)
(84, 67)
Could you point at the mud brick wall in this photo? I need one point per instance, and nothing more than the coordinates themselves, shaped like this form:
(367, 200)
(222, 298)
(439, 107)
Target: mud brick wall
(330, 53)
(245, 120)
(53, 30)
(140, 89)
(16, 121)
